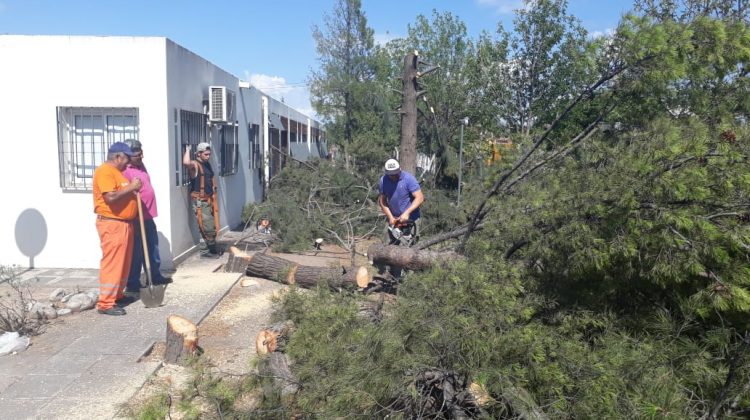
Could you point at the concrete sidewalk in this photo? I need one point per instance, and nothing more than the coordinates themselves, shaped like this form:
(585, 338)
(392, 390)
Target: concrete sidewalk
(86, 365)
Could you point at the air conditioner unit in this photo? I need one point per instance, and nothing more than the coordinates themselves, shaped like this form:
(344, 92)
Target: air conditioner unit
(221, 104)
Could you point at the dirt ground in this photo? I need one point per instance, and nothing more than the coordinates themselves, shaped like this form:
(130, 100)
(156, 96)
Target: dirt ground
(227, 335)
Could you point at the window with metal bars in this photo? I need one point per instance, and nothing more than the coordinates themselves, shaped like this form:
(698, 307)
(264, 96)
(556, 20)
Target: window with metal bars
(229, 152)
(254, 136)
(193, 130)
(83, 138)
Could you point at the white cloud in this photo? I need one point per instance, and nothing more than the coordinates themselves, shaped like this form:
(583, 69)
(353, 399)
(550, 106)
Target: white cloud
(383, 38)
(502, 6)
(296, 95)
(598, 34)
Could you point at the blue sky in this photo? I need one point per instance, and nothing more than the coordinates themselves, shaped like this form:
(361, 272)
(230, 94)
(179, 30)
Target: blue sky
(266, 42)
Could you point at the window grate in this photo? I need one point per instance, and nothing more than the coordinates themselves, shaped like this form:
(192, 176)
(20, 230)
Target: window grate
(83, 138)
(228, 134)
(193, 130)
(254, 136)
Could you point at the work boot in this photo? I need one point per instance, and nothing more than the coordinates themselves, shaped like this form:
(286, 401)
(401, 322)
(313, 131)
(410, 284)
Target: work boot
(126, 300)
(163, 280)
(115, 310)
(216, 249)
(209, 254)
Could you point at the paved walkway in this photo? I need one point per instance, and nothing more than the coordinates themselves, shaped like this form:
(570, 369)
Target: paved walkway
(86, 365)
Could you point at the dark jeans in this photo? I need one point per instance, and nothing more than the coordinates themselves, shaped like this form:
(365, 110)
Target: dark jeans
(138, 264)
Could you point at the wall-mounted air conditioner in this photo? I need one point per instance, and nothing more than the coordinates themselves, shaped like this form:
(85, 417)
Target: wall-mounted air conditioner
(221, 104)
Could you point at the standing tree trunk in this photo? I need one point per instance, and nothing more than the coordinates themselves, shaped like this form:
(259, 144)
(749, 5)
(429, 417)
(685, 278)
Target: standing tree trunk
(408, 148)
(182, 340)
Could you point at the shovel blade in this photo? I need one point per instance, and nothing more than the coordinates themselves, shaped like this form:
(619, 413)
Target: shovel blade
(153, 297)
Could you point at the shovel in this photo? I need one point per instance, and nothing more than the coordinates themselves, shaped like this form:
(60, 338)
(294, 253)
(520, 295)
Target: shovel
(151, 296)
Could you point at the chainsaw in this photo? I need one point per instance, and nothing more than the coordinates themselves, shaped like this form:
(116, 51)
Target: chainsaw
(402, 233)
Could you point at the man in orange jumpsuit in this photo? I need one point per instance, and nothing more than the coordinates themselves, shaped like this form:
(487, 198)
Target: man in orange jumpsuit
(115, 206)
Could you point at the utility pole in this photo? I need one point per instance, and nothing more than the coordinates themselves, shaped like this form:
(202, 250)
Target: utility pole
(411, 92)
(464, 121)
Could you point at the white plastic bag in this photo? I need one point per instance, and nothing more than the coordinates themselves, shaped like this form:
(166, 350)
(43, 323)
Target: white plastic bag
(12, 342)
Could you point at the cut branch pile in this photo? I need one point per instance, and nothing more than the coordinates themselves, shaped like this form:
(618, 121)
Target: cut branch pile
(445, 394)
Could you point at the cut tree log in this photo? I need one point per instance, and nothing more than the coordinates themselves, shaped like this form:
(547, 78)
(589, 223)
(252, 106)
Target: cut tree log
(375, 306)
(276, 366)
(182, 340)
(288, 272)
(273, 338)
(270, 344)
(408, 258)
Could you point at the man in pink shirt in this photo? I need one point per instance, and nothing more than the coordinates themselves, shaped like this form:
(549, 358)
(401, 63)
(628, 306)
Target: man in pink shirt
(136, 169)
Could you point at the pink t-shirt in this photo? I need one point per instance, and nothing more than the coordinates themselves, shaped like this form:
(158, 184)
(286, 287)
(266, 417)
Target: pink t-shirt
(148, 196)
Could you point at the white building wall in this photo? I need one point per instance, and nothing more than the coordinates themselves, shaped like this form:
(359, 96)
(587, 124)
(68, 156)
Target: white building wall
(42, 225)
(38, 74)
(249, 105)
(187, 80)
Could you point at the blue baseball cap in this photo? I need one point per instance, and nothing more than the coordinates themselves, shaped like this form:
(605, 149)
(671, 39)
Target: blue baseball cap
(120, 147)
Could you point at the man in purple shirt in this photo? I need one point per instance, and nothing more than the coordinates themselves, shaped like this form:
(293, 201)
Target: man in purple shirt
(136, 169)
(400, 195)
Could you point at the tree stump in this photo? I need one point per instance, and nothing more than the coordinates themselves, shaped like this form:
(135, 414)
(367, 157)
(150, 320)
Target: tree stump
(274, 337)
(182, 340)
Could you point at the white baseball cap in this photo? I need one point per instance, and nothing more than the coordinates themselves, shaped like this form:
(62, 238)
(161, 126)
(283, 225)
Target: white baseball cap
(202, 147)
(392, 167)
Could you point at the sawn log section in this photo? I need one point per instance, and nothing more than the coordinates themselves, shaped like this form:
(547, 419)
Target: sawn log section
(288, 272)
(408, 258)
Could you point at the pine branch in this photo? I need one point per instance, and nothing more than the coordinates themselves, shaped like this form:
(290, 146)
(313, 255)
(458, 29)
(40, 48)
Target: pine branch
(495, 189)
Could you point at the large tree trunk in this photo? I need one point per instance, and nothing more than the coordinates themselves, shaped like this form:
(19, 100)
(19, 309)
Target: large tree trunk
(408, 258)
(288, 272)
(182, 340)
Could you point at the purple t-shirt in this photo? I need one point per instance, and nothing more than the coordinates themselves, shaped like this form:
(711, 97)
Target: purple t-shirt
(148, 196)
(399, 195)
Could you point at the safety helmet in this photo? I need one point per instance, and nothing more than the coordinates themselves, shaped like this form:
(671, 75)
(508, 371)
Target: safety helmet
(392, 167)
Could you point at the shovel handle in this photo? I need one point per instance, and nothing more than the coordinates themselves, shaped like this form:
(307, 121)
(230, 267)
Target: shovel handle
(146, 257)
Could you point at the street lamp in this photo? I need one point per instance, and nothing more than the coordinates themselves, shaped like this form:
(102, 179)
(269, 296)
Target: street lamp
(464, 121)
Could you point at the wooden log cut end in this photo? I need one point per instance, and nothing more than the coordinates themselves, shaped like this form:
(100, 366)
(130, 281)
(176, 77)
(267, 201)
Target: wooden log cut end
(182, 339)
(480, 395)
(363, 277)
(265, 342)
(233, 250)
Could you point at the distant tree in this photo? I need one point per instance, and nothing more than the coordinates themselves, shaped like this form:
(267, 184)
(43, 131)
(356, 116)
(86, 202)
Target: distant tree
(546, 66)
(687, 10)
(343, 89)
(443, 41)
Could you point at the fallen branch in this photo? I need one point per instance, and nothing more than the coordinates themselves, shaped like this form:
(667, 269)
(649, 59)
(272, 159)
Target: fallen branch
(495, 189)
